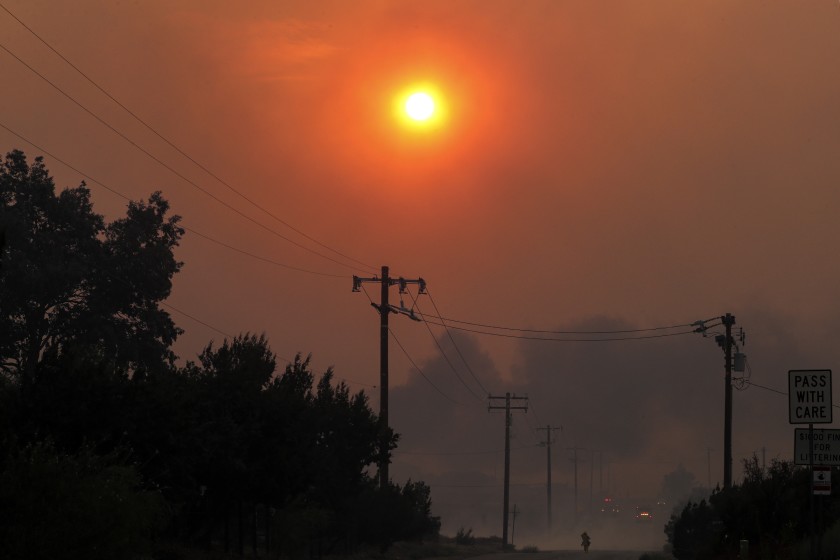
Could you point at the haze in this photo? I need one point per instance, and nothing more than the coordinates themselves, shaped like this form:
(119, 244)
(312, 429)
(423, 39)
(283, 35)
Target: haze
(605, 165)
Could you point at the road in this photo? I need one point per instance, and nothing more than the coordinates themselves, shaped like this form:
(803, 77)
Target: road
(564, 555)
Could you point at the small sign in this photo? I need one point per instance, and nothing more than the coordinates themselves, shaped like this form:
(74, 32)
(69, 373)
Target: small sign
(826, 447)
(822, 481)
(809, 395)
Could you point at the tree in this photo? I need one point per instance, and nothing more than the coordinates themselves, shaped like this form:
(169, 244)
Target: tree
(769, 509)
(55, 505)
(71, 279)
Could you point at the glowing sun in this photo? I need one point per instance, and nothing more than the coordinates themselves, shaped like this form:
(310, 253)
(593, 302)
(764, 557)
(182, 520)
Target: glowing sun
(420, 106)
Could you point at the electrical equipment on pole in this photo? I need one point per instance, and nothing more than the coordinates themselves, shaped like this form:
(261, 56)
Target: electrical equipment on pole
(384, 308)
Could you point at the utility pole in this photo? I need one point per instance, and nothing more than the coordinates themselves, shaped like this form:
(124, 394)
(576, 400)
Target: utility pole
(728, 320)
(548, 441)
(513, 529)
(575, 460)
(385, 309)
(709, 466)
(727, 342)
(508, 420)
(601, 475)
(591, 478)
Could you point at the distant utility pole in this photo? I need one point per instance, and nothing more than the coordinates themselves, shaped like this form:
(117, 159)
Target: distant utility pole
(508, 420)
(548, 441)
(385, 309)
(575, 460)
(513, 529)
(591, 478)
(727, 343)
(709, 466)
(601, 475)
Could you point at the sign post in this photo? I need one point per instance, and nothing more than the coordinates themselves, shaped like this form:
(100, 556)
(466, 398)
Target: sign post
(809, 399)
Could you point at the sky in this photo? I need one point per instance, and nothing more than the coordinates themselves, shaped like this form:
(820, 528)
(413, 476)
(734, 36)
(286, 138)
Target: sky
(598, 165)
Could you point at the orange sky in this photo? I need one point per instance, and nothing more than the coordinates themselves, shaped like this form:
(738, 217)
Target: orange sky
(640, 163)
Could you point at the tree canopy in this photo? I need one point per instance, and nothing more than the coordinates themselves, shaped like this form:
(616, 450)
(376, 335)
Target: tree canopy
(69, 278)
(107, 443)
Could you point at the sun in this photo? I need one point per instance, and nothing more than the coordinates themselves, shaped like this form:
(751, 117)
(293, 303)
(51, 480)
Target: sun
(420, 106)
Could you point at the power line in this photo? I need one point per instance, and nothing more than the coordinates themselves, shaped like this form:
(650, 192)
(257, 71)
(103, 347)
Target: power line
(191, 230)
(420, 371)
(410, 359)
(172, 145)
(549, 339)
(543, 331)
(173, 170)
(448, 453)
(442, 353)
(445, 357)
(457, 349)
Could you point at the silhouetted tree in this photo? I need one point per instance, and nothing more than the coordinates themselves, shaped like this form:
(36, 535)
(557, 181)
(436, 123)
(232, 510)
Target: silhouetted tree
(71, 279)
(89, 390)
(56, 505)
(769, 509)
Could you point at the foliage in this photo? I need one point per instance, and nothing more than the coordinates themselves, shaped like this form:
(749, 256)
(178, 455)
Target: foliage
(55, 505)
(696, 533)
(769, 509)
(464, 537)
(92, 404)
(71, 279)
(398, 513)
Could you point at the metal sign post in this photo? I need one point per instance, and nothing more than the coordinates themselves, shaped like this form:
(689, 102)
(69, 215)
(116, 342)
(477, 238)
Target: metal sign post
(809, 396)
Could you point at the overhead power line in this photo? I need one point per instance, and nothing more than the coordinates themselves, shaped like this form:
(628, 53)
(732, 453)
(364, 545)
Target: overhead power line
(554, 339)
(405, 352)
(172, 169)
(443, 354)
(175, 147)
(420, 371)
(189, 229)
(457, 348)
(542, 331)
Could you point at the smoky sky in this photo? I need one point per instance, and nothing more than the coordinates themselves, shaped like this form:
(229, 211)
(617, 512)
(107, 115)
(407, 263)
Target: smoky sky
(607, 165)
(639, 409)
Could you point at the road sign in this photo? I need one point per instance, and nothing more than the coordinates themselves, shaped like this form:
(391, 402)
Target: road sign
(826, 447)
(822, 481)
(809, 395)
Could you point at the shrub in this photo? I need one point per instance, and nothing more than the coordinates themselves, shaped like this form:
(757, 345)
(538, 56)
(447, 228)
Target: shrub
(464, 537)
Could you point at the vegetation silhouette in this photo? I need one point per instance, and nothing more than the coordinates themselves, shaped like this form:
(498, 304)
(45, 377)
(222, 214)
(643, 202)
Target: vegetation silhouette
(769, 509)
(110, 449)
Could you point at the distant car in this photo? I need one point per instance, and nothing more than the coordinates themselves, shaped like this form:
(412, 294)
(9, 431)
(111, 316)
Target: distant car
(644, 513)
(609, 506)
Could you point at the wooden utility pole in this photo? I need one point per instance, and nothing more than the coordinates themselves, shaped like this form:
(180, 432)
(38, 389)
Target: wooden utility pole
(728, 320)
(508, 420)
(575, 461)
(548, 441)
(385, 309)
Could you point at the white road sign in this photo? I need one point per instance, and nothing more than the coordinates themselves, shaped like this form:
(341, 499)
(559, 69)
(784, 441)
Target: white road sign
(826, 447)
(809, 394)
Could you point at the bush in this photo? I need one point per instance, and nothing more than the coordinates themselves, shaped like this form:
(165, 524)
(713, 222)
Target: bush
(465, 538)
(55, 505)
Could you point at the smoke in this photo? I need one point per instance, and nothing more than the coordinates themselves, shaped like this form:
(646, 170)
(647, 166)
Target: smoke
(623, 415)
